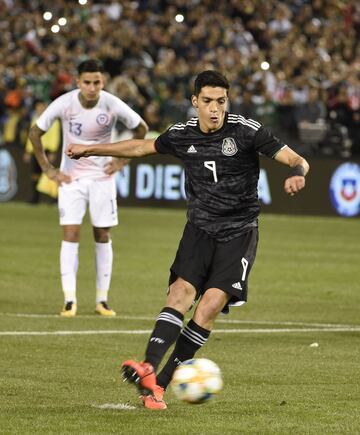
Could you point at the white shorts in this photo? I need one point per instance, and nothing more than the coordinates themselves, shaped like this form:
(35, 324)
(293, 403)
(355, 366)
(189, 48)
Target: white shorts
(99, 195)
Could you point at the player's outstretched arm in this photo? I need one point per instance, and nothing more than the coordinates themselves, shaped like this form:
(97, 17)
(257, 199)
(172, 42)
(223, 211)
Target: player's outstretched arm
(295, 181)
(118, 163)
(126, 148)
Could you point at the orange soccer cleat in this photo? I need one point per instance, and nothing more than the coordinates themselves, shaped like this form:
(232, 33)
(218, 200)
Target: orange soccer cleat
(143, 376)
(156, 399)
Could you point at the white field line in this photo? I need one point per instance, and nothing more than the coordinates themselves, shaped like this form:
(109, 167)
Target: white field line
(152, 319)
(148, 331)
(120, 406)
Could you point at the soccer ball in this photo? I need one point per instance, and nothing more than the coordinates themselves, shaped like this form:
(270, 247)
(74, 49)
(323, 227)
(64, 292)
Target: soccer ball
(196, 380)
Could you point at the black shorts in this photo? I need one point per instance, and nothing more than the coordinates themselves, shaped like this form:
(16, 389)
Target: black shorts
(206, 263)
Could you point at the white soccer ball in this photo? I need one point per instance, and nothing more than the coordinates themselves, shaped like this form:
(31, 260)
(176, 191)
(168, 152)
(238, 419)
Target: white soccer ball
(196, 380)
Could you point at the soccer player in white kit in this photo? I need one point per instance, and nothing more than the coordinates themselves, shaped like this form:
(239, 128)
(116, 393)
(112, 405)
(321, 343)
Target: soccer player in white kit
(88, 115)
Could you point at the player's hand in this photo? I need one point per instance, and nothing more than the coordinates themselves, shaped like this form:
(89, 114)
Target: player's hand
(56, 175)
(294, 184)
(115, 165)
(75, 151)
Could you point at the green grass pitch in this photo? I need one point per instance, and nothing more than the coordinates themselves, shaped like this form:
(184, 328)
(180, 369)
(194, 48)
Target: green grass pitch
(62, 375)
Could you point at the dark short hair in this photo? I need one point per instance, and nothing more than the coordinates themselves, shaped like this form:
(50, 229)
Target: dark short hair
(90, 65)
(210, 78)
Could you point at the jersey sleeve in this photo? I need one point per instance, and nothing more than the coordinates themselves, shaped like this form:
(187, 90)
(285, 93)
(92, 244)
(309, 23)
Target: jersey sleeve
(50, 114)
(165, 145)
(125, 113)
(266, 143)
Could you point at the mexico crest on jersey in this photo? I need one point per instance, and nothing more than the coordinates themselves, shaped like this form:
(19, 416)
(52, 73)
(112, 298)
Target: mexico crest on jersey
(229, 147)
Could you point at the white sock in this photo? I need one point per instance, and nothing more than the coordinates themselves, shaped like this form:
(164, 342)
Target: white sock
(103, 260)
(69, 262)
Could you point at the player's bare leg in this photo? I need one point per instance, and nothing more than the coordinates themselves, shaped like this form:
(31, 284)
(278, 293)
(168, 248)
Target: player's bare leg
(209, 307)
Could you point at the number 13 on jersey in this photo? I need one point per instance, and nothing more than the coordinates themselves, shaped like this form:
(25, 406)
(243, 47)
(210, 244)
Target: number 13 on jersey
(211, 165)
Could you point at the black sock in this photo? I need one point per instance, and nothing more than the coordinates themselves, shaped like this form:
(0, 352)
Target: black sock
(191, 339)
(166, 331)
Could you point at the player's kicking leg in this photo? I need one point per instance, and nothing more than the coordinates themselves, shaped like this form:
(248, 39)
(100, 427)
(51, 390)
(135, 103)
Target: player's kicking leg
(166, 331)
(143, 376)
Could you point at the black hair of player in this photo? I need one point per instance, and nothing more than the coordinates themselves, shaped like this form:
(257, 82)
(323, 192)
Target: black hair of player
(90, 65)
(210, 78)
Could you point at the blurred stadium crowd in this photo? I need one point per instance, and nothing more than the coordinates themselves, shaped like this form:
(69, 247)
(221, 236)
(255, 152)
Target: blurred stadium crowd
(294, 65)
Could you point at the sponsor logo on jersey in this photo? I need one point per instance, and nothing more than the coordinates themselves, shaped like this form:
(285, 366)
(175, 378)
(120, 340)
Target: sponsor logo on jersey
(102, 119)
(345, 189)
(229, 147)
(237, 285)
(192, 149)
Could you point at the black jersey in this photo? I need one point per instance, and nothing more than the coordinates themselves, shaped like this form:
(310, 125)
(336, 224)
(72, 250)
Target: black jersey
(221, 172)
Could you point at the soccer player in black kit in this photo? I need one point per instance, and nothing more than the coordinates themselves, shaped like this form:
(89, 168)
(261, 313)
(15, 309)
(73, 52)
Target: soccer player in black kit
(220, 154)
